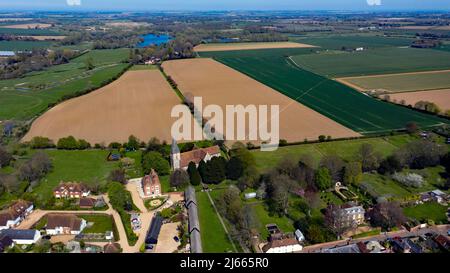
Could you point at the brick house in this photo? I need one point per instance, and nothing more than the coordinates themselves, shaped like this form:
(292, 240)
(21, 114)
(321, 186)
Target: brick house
(71, 190)
(151, 186)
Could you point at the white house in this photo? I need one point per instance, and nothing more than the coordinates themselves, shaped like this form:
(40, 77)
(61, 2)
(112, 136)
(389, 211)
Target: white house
(64, 224)
(15, 214)
(287, 245)
(22, 236)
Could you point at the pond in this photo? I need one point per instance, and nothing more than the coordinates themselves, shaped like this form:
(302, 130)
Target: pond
(154, 39)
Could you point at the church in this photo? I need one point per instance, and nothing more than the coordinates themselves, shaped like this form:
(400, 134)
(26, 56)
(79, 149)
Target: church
(180, 160)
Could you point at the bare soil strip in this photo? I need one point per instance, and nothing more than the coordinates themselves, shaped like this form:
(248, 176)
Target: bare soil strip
(27, 26)
(139, 103)
(248, 46)
(221, 85)
(440, 97)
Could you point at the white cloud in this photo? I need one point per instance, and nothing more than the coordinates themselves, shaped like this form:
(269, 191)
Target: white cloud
(374, 2)
(74, 2)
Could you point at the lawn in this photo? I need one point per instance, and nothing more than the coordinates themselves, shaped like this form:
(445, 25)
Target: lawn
(28, 96)
(428, 211)
(214, 238)
(261, 212)
(23, 45)
(330, 98)
(101, 223)
(89, 167)
(375, 61)
(347, 149)
(404, 82)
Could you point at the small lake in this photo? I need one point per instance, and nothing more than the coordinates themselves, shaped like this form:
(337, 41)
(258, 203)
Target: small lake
(152, 39)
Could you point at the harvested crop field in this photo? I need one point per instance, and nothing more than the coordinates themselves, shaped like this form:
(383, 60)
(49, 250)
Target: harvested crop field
(221, 85)
(247, 46)
(139, 103)
(45, 38)
(28, 26)
(440, 97)
(405, 82)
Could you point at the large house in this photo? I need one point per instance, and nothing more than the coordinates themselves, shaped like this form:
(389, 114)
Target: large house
(21, 236)
(150, 184)
(352, 216)
(181, 160)
(69, 224)
(15, 214)
(71, 190)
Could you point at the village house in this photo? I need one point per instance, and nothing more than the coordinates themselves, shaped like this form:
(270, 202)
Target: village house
(181, 160)
(15, 214)
(280, 242)
(22, 236)
(64, 224)
(352, 216)
(151, 186)
(71, 190)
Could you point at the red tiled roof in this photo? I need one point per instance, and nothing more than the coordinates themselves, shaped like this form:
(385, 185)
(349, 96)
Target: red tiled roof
(14, 211)
(151, 180)
(197, 155)
(63, 220)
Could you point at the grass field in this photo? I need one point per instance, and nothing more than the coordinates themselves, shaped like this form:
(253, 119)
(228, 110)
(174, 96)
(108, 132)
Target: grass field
(337, 42)
(101, 223)
(16, 31)
(346, 149)
(403, 82)
(283, 223)
(343, 104)
(374, 61)
(214, 238)
(89, 167)
(23, 45)
(25, 97)
(428, 211)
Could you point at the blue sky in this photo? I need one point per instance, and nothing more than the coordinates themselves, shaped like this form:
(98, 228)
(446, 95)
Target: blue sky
(224, 4)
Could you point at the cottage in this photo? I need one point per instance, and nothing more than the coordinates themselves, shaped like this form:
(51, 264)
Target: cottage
(22, 236)
(58, 224)
(87, 203)
(284, 245)
(182, 160)
(71, 190)
(151, 186)
(15, 214)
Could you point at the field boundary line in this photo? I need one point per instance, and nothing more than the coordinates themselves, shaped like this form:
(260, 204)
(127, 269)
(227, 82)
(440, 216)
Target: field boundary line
(394, 74)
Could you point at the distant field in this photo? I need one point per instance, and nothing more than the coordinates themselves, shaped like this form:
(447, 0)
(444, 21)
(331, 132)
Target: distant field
(247, 46)
(27, 26)
(345, 105)
(23, 45)
(347, 149)
(139, 103)
(402, 82)
(440, 97)
(17, 31)
(214, 238)
(89, 167)
(337, 42)
(25, 97)
(375, 62)
(45, 38)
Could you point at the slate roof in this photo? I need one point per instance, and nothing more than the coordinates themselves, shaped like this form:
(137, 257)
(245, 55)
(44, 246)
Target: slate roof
(19, 234)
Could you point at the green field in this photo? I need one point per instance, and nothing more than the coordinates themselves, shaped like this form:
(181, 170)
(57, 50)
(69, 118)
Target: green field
(25, 97)
(261, 212)
(214, 238)
(23, 45)
(330, 98)
(101, 223)
(347, 149)
(16, 31)
(374, 61)
(428, 211)
(404, 82)
(337, 42)
(89, 167)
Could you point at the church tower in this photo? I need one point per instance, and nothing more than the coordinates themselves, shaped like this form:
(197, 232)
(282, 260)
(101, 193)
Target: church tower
(175, 155)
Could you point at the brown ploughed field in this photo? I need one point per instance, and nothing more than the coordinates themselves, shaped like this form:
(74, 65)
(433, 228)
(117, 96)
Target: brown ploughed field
(221, 85)
(248, 46)
(440, 97)
(138, 103)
